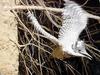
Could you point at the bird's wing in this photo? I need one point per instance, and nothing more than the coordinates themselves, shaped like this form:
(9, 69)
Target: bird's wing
(70, 29)
(74, 22)
(38, 27)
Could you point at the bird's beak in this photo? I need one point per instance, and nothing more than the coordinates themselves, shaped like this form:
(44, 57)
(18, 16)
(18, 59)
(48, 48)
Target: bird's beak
(87, 56)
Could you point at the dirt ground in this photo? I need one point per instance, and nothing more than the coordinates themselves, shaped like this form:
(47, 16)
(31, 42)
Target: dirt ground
(8, 33)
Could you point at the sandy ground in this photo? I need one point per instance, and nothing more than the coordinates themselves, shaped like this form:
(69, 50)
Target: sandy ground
(8, 50)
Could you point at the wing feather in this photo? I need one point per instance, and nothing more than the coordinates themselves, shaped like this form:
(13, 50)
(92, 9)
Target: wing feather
(38, 27)
(74, 22)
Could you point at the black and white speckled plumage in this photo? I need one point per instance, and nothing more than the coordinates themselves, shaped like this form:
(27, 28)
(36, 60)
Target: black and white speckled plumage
(74, 22)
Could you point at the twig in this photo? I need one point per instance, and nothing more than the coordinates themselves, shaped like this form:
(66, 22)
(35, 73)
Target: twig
(23, 7)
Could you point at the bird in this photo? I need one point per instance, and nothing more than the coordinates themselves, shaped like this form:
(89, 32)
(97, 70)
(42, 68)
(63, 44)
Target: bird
(68, 43)
(74, 22)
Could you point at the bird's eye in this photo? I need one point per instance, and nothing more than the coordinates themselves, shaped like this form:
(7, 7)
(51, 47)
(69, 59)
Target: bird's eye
(79, 50)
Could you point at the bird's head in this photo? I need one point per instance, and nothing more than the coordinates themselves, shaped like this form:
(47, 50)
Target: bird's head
(80, 48)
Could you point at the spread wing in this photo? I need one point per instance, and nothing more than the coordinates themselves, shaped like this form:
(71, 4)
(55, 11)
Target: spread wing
(74, 22)
(38, 27)
(71, 25)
